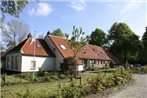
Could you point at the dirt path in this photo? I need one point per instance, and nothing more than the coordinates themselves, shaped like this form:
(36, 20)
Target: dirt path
(136, 90)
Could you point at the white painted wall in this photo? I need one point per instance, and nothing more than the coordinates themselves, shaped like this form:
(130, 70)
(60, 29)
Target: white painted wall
(9, 62)
(59, 58)
(46, 63)
(81, 67)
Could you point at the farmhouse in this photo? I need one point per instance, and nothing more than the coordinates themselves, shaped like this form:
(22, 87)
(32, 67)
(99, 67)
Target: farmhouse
(48, 54)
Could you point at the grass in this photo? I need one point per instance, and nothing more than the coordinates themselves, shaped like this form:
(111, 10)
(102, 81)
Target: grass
(39, 88)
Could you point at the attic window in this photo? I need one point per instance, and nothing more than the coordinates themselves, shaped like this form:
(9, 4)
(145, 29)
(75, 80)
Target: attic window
(39, 46)
(63, 47)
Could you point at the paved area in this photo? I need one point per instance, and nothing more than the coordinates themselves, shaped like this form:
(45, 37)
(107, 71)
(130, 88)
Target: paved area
(137, 90)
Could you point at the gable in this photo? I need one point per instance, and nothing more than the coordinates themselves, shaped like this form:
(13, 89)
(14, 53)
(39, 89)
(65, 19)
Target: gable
(39, 48)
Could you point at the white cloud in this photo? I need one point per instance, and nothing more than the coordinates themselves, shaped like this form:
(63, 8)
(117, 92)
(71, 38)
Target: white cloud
(42, 9)
(78, 5)
(129, 8)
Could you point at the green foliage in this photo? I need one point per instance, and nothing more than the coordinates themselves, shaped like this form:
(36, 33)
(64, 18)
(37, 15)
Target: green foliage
(96, 85)
(62, 76)
(58, 32)
(98, 37)
(144, 38)
(139, 70)
(125, 44)
(71, 91)
(13, 7)
(143, 52)
(25, 93)
(101, 82)
(91, 68)
(40, 72)
(121, 76)
(68, 63)
(77, 40)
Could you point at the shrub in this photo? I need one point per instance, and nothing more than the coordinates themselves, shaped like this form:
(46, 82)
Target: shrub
(71, 91)
(100, 83)
(92, 68)
(139, 70)
(96, 84)
(121, 76)
(62, 76)
(54, 77)
(40, 72)
(46, 74)
(25, 93)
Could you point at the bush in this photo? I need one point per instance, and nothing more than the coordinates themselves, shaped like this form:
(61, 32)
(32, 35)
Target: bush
(96, 85)
(54, 77)
(100, 83)
(139, 70)
(71, 91)
(25, 93)
(40, 72)
(46, 74)
(92, 68)
(121, 76)
(62, 76)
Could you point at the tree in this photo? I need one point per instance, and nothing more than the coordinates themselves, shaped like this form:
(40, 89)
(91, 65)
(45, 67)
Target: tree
(58, 32)
(144, 38)
(125, 44)
(76, 43)
(143, 52)
(13, 7)
(68, 64)
(98, 37)
(14, 32)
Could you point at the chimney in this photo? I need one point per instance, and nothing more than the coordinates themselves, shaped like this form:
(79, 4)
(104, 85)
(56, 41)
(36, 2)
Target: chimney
(29, 35)
(48, 33)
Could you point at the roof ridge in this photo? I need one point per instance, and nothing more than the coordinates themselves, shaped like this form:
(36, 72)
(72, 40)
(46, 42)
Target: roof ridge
(24, 44)
(58, 36)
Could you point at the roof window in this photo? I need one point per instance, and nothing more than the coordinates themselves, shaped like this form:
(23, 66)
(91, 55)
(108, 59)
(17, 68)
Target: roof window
(39, 46)
(63, 47)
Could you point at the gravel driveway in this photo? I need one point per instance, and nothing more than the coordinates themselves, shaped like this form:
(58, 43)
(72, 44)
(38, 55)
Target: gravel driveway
(137, 90)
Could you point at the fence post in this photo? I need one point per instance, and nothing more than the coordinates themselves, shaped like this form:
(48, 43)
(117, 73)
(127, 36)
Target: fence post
(3, 79)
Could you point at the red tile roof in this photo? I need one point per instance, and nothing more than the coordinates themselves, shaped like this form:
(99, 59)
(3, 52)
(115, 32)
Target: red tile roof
(96, 52)
(58, 41)
(88, 52)
(27, 48)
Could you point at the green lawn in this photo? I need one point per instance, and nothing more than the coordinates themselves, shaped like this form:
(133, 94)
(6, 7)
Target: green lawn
(39, 89)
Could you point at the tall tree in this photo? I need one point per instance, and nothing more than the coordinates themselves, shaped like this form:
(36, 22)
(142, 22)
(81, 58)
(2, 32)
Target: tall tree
(13, 7)
(98, 37)
(143, 53)
(76, 43)
(144, 38)
(125, 44)
(58, 32)
(14, 32)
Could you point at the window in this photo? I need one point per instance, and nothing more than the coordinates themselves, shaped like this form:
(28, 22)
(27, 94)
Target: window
(94, 61)
(62, 46)
(33, 65)
(12, 63)
(38, 46)
(8, 63)
(16, 62)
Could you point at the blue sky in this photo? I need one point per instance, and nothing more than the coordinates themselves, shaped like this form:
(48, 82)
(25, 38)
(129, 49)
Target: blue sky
(88, 14)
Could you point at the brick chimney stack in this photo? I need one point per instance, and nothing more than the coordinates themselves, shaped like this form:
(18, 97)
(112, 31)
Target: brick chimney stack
(48, 33)
(29, 35)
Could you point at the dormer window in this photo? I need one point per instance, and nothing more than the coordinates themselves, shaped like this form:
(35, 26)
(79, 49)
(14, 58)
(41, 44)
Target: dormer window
(63, 47)
(38, 46)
